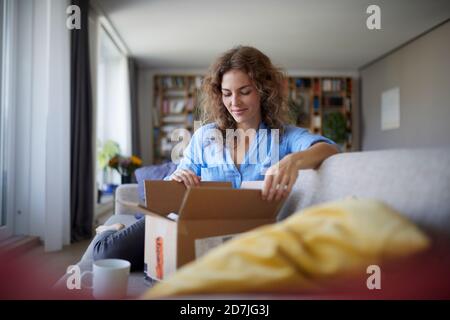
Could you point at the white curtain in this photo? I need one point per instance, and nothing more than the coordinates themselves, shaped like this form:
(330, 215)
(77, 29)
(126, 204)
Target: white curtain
(57, 222)
(41, 179)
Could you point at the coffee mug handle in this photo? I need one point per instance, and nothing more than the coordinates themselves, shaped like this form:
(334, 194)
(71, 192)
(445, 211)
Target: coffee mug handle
(87, 273)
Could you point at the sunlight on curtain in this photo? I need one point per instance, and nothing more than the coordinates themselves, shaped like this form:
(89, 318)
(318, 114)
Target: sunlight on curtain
(113, 103)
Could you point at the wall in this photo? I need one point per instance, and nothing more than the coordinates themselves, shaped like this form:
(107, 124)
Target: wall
(421, 69)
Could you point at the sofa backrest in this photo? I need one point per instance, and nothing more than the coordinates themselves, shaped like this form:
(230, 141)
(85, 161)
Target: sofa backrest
(416, 182)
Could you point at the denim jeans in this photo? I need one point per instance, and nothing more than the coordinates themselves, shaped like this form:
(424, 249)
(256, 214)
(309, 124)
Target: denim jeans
(127, 244)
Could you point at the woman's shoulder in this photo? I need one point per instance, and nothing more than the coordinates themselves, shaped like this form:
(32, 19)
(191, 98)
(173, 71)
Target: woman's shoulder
(290, 130)
(207, 126)
(205, 133)
(204, 128)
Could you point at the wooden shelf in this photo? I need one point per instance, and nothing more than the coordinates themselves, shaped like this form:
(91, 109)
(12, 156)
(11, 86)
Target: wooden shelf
(313, 93)
(173, 92)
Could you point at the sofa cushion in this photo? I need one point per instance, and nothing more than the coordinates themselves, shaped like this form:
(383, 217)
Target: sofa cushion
(155, 172)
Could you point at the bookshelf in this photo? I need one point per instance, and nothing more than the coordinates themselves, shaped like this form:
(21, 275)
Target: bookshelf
(175, 106)
(324, 105)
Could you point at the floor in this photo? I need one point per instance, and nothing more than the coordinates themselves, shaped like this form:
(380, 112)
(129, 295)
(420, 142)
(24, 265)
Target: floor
(56, 263)
(32, 273)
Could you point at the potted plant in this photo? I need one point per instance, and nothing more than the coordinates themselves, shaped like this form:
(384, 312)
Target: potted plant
(334, 127)
(105, 152)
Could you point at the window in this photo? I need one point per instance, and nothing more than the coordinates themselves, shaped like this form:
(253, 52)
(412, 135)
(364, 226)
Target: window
(113, 105)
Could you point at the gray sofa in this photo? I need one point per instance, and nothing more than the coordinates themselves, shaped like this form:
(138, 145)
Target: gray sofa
(416, 182)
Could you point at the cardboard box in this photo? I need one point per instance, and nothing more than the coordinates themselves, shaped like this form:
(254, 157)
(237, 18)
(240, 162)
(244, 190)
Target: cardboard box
(207, 216)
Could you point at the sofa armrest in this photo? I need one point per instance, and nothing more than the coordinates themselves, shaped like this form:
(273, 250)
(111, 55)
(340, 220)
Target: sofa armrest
(126, 193)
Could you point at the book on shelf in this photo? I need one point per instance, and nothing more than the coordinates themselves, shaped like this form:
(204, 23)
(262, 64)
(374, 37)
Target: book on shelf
(316, 103)
(348, 104)
(156, 117)
(307, 83)
(176, 106)
(169, 82)
(175, 118)
(178, 93)
(349, 87)
(173, 106)
(179, 82)
(169, 128)
(156, 133)
(317, 121)
(165, 106)
(331, 85)
(316, 86)
(198, 82)
(195, 83)
(190, 120)
(332, 101)
(326, 85)
(190, 104)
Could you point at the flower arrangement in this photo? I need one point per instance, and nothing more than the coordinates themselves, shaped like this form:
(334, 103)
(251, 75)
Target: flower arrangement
(125, 165)
(105, 152)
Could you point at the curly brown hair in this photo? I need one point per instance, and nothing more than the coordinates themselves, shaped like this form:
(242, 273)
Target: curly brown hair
(268, 80)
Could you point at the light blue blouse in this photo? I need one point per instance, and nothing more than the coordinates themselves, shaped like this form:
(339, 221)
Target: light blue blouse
(207, 157)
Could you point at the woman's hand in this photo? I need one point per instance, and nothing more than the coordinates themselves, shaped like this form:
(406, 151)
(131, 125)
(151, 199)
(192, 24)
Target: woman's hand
(280, 178)
(189, 178)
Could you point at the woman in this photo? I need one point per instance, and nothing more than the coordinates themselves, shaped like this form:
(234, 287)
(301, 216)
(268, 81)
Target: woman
(244, 103)
(245, 91)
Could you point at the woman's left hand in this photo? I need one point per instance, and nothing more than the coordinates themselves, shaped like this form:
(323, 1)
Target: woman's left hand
(282, 175)
(280, 178)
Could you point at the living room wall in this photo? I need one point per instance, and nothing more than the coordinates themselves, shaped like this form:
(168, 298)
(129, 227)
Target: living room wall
(421, 70)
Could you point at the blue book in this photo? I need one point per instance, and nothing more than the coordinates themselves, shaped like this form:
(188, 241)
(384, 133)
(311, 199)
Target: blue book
(316, 103)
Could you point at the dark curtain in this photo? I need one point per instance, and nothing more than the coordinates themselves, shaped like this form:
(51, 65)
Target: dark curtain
(135, 140)
(81, 133)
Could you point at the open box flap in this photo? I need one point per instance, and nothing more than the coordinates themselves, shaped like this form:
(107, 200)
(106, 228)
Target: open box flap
(224, 203)
(141, 209)
(163, 197)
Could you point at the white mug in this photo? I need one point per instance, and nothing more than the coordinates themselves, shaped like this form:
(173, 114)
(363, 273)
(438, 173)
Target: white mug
(109, 278)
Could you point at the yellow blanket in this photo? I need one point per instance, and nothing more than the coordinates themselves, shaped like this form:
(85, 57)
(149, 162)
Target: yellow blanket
(316, 244)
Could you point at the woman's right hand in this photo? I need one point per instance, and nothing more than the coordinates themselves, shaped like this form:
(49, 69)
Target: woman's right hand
(189, 178)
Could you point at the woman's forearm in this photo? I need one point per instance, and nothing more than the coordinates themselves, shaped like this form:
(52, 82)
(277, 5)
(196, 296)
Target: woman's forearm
(314, 156)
